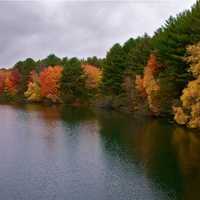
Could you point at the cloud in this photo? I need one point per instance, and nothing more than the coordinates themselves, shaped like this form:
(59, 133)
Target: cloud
(76, 28)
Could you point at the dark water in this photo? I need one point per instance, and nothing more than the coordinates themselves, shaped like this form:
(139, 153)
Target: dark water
(76, 154)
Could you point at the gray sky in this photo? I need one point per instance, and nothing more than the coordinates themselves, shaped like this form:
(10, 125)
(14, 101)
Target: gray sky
(76, 28)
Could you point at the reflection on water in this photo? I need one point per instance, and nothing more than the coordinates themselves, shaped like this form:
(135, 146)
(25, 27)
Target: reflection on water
(187, 146)
(67, 153)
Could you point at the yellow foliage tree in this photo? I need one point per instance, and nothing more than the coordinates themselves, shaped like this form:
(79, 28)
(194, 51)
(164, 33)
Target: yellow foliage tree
(33, 92)
(94, 76)
(189, 112)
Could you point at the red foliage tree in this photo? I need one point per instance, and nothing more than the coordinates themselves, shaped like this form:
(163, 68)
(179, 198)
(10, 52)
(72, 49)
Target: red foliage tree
(12, 81)
(2, 79)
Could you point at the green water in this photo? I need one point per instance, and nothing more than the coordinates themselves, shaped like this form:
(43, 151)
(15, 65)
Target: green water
(78, 154)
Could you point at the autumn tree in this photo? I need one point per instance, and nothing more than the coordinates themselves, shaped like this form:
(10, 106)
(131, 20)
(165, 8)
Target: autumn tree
(33, 92)
(189, 112)
(2, 81)
(50, 83)
(93, 74)
(9, 81)
(148, 86)
(12, 82)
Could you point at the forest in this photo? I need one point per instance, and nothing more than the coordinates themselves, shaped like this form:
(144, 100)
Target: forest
(157, 75)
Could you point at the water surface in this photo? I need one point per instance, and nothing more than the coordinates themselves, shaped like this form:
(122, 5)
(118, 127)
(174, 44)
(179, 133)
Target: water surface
(61, 153)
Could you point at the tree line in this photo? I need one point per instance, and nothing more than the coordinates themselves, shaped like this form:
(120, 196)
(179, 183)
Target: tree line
(161, 71)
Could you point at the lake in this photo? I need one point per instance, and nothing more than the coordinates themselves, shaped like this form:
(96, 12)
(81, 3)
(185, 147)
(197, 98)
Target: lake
(63, 153)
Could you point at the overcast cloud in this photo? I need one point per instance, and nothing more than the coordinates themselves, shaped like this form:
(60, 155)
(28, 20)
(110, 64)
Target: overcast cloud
(76, 28)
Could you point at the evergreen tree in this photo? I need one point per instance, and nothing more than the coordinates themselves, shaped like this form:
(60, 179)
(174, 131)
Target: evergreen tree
(113, 70)
(50, 60)
(24, 68)
(64, 61)
(138, 51)
(73, 81)
(97, 62)
(170, 43)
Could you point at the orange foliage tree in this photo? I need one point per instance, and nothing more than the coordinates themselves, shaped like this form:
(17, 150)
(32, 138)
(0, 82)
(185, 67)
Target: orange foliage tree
(139, 85)
(93, 74)
(50, 83)
(148, 86)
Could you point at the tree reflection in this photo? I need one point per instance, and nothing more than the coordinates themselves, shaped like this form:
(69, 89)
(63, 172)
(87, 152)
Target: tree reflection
(74, 115)
(147, 144)
(187, 146)
(155, 152)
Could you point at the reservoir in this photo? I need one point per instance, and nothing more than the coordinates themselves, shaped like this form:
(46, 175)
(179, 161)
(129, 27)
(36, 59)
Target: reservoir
(60, 153)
